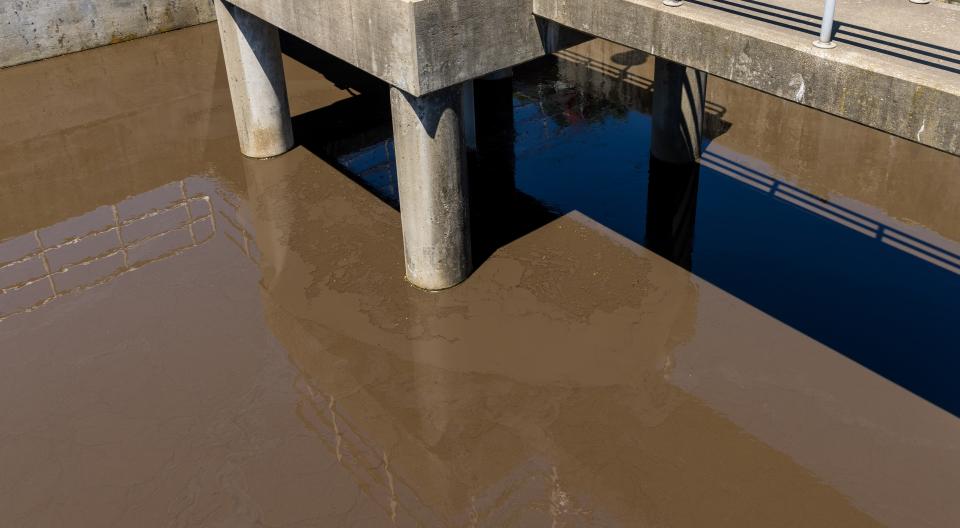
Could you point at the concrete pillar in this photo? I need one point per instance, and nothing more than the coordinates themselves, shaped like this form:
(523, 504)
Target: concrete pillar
(679, 98)
(251, 51)
(432, 178)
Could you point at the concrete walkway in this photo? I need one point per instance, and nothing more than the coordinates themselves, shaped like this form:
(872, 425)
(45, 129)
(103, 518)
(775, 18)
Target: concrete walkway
(896, 67)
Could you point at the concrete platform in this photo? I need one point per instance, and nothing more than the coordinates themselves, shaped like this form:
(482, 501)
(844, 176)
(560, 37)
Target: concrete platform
(419, 46)
(897, 66)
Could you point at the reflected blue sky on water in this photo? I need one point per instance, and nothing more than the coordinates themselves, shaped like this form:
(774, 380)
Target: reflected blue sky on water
(880, 306)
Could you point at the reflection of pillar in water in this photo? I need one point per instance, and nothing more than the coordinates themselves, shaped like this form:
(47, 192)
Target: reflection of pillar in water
(442, 406)
(492, 180)
(493, 98)
(271, 196)
(679, 98)
(672, 210)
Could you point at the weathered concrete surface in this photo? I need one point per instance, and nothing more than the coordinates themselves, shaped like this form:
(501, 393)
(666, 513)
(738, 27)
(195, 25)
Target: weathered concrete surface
(418, 46)
(37, 29)
(432, 180)
(897, 68)
(251, 52)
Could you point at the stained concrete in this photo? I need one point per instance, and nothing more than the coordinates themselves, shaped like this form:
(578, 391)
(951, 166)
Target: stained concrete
(897, 67)
(37, 29)
(418, 46)
(432, 176)
(258, 88)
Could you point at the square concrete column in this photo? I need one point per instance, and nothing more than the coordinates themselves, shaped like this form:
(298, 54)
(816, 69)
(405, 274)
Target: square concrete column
(432, 177)
(679, 98)
(251, 51)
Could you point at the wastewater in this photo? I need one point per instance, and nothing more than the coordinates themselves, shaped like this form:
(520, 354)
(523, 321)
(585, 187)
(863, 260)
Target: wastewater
(189, 337)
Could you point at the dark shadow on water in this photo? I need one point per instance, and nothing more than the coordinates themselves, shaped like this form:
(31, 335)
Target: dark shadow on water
(561, 149)
(354, 135)
(672, 210)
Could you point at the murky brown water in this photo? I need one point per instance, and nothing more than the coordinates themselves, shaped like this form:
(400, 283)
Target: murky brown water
(195, 339)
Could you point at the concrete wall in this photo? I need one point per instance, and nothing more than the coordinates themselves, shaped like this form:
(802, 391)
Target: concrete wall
(37, 29)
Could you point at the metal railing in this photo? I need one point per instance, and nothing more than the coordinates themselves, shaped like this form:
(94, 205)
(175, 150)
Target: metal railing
(826, 25)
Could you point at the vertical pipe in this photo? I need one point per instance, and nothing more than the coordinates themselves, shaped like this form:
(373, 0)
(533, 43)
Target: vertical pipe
(826, 27)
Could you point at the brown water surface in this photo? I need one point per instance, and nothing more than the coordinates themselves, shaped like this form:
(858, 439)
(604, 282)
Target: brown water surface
(191, 338)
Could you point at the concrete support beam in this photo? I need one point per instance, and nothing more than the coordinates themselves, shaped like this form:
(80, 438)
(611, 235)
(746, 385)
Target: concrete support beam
(251, 51)
(432, 177)
(419, 45)
(679, 99)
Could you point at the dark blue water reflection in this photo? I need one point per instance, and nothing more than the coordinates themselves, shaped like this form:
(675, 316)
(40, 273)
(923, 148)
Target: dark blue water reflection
(889, 311)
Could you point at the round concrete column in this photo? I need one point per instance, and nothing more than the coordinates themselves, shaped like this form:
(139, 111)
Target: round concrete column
(432, 174)
(251, 51)
(679, 98)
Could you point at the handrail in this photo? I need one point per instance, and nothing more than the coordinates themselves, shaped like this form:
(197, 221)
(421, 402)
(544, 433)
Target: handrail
(826, 25)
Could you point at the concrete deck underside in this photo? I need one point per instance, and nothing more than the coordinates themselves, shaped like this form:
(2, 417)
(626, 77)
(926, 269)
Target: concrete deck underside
(897, 66)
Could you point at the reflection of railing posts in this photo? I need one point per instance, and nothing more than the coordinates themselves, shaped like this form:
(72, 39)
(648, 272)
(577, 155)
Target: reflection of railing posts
(929, 251)
(117, 227)
(46, 263)
(57, 275)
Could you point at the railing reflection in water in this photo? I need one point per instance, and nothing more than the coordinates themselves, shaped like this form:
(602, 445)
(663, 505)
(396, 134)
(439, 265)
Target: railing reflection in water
(97, 247)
